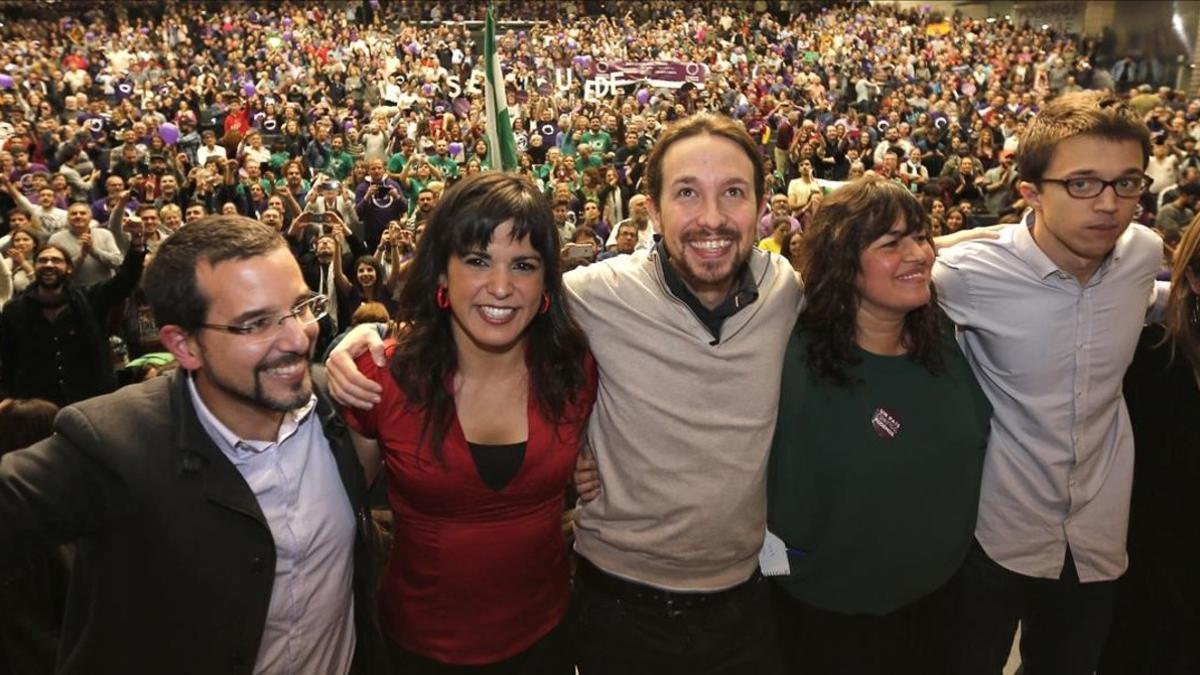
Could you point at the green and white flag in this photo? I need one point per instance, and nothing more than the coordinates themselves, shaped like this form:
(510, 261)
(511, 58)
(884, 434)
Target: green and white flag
(502, 146)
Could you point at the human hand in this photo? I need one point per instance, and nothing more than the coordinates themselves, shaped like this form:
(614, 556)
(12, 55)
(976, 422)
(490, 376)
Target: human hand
(136, 231)
(347, 385)
(587, 475)
(85, 243)
(298, 224)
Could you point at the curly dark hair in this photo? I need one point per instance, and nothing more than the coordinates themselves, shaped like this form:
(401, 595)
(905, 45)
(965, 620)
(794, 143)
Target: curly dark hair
(426, 358)
(850, 219)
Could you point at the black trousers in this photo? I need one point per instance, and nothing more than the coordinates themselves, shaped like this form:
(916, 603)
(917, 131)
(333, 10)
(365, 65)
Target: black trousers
(551, 655)
(916, 639)
(625, 628)
(1064, 622)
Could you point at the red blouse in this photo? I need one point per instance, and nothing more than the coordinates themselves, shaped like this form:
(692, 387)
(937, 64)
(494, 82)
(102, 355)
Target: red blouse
(475, 575)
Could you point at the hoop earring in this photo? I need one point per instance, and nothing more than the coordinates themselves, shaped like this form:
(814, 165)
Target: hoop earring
(545, 303)
(443, 300)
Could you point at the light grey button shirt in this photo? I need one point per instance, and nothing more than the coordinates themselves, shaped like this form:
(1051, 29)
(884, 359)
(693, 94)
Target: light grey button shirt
(310, 620)
(1051, 355)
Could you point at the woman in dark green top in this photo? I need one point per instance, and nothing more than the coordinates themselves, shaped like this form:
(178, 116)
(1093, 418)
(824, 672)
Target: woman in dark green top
(874, 474)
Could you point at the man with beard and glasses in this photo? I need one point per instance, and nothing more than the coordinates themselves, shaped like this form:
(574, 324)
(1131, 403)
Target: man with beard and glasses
(215, 512)
(52, 341)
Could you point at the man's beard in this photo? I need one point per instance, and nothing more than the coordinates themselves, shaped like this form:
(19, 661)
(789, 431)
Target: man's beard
(56, 281)
(698, 278)
(298, 396)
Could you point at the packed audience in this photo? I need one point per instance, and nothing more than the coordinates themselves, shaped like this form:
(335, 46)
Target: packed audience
(341, 126)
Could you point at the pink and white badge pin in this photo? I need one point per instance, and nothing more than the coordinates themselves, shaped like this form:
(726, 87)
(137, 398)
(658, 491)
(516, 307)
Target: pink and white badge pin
(885, 423)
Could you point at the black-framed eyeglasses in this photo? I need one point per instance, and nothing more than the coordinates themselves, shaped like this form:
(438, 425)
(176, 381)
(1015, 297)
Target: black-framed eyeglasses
(306, 312)
(1089, 187)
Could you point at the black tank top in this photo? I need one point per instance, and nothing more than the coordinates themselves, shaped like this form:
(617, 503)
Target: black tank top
(497, 464)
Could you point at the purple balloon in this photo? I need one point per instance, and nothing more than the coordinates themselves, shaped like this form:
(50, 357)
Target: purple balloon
(643, 96)
(249, 90)
(6, 81)
(455, 148)
(169, 133)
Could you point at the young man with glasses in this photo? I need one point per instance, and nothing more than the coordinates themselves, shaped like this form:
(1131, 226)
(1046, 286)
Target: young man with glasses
(1049, 315)
(217, 512)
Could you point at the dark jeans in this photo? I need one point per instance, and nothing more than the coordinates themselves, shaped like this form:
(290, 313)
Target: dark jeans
(915, 639)
(551, 655)
(1063, 622)
(625, 628)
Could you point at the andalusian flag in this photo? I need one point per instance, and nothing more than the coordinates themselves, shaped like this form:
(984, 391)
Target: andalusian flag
(501, 144)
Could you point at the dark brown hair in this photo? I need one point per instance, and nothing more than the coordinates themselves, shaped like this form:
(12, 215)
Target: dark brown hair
(1183, 305)
(1084, 113)
(24, 421)
(696, 125)
(849, 220)
(170, 279)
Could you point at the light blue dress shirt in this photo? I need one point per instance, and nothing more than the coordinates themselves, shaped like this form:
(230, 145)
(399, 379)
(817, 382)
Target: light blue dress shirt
(1051, 354)
(310, 621)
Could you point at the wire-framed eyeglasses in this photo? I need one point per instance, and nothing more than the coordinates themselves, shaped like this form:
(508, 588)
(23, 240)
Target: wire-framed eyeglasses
(306, 312)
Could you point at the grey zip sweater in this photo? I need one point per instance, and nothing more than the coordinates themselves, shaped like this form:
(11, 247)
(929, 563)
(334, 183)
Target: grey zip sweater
(682, 426)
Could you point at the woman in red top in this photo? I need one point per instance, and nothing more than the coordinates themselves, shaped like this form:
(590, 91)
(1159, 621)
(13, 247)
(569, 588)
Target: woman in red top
(486, 394)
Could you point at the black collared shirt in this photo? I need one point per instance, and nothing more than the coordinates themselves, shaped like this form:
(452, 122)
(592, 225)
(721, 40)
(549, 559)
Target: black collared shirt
(743, 293)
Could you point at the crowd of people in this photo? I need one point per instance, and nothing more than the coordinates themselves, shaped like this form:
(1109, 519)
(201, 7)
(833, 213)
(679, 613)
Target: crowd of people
(341, 153)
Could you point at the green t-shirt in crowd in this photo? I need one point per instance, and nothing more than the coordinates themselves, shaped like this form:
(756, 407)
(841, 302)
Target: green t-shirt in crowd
(340, 164)
(278, 159)
(415, 185)
(600, 141)
(874, 487)
(397, 162)
(594, 160)
(447, 166)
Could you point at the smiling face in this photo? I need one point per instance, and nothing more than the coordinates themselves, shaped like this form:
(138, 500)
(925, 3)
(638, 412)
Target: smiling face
(240, 377)
(893, 277)
(796, 247)
(51, 267)
(954, 220)
(494, 294)
(366, 275)
(706, 212)
(1077, 234)
(23, 241)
